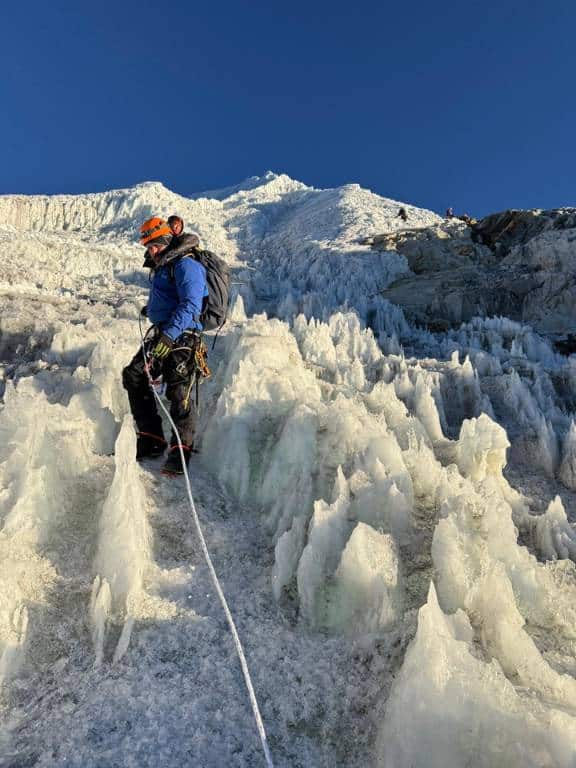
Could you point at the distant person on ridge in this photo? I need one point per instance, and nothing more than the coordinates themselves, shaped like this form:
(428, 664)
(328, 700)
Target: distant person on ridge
(449, 213)
(174, 306)
(403, 214)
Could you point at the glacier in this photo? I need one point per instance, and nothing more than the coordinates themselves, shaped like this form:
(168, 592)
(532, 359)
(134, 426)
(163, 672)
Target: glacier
(390, 509)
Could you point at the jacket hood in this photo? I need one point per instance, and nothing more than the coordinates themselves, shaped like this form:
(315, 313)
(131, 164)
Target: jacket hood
(183, 245)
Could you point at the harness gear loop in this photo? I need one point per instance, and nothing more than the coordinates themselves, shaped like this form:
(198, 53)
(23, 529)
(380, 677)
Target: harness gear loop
(200, 355)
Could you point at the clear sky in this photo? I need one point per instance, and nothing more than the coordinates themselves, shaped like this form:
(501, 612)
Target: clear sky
(469, 104)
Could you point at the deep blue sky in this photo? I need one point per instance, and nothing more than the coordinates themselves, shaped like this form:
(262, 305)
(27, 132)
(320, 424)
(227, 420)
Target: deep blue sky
(469, 104)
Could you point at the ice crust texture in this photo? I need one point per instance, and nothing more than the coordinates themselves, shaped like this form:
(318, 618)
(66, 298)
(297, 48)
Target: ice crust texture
(391, 510)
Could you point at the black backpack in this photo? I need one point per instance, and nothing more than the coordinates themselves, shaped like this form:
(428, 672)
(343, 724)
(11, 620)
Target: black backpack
(215, 305)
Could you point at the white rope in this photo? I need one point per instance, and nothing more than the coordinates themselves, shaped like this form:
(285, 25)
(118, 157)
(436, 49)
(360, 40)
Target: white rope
(213, 576)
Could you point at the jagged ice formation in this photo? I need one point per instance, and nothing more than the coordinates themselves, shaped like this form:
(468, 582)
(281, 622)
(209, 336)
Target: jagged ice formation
(391, 509)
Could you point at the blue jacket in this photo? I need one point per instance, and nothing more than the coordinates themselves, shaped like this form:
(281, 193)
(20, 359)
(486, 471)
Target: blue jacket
(175, 304)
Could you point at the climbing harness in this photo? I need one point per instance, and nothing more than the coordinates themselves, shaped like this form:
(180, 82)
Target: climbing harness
(211, 569)
(201, 370)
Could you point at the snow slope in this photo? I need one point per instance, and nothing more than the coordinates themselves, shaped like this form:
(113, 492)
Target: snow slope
(390, 511)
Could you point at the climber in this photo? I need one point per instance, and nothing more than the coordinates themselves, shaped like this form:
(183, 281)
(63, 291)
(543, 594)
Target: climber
(449, 213)
(176, 224)
(402, 214)
(178, 288)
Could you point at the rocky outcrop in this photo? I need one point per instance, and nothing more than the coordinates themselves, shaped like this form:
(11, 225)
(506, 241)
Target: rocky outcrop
(445, 246)
(520, 264)
(511, 229)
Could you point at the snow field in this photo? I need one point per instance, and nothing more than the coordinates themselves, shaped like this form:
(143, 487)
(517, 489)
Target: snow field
(339, 476)
(133, 594)
(400, 601)
(105, 583)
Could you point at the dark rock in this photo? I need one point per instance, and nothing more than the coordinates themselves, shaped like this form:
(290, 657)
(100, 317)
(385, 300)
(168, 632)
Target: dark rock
(521, 264)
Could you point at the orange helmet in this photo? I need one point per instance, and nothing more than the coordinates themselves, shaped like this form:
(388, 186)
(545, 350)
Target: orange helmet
(153, 228)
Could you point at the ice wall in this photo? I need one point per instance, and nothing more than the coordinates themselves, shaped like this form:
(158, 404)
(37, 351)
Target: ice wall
(319, 464)
(481, 449)
(331, 432)
(567, 471)
(124, 549)
(47, 451)
(450, 707)
(554, 536)
(367, 595)
(498, 594)
(345, 451)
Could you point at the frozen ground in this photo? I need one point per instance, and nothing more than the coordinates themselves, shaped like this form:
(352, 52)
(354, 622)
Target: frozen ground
(390, 511)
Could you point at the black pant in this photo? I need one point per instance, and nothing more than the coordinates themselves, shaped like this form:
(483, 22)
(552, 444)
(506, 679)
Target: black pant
(179, 373)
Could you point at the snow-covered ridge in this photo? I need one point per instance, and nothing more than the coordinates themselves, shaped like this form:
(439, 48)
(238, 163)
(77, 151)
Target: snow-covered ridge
(252, 182)
(92, 212)
(112, 211)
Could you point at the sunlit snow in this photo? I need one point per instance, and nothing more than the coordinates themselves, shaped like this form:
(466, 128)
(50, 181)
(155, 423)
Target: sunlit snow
(390, 510)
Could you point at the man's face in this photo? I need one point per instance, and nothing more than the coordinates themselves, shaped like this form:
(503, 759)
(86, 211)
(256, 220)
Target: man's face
(177, 227)
(154, 252)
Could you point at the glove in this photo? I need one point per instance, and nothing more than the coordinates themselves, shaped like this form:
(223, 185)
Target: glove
(144, 310)
(162, 347)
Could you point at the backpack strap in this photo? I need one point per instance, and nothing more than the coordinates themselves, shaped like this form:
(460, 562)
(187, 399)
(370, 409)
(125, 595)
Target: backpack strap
(172, 264)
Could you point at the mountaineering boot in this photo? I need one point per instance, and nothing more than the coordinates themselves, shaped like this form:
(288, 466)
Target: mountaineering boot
(149, 446)
(173, 464)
